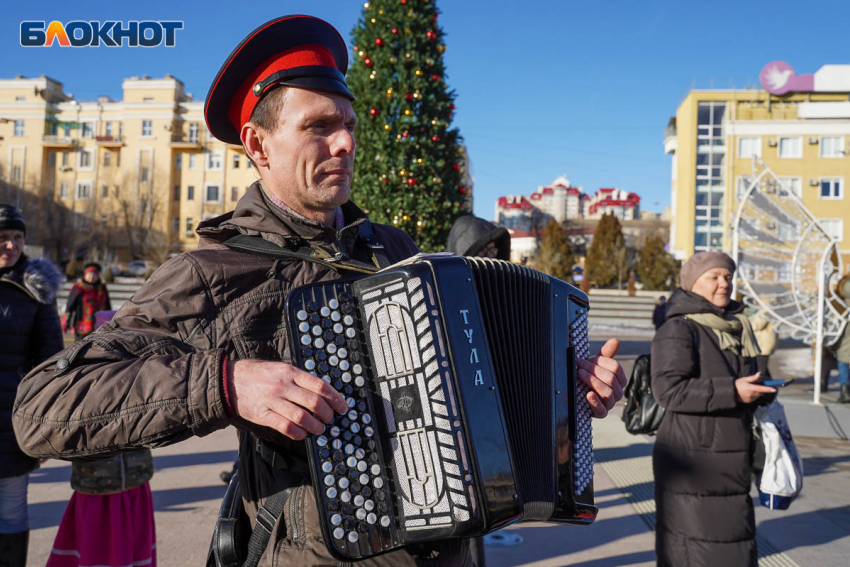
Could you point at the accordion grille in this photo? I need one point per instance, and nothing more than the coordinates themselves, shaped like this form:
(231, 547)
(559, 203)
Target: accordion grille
(517, 314)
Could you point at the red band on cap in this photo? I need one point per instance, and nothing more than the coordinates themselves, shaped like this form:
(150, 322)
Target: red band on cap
(244, 101)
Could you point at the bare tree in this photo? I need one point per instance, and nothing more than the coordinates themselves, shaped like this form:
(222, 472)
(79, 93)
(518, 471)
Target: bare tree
(142, 208)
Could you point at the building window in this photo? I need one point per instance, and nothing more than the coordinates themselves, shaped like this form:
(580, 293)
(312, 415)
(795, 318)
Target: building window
(832, 146)
(190, 193)
(214, 160)
(178, 161)
(118, 159)
(710, 118)
(83, 190)
(235, 161)
(831, 188)
(107, 158)
(833, 227)
(19, 127)
(175, 225)
(85, 159)
(176, 196)
(792, 184)
(749, 147)
(16, 173)
(212, 194)
(249, 163)
(190, 227)
(63, 190)
(108, 131)
(116, 188)
(790, 147)
(234, 193)
(192, 161)
(147, 99)
(147, 128)
(88, 130)
(20, 98)
(193, 132)
(104, 191)
(64, 159)
(51, 159)
(143, 174)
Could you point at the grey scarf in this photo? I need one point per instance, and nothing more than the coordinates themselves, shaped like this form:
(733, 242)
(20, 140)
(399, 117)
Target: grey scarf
(735, 335)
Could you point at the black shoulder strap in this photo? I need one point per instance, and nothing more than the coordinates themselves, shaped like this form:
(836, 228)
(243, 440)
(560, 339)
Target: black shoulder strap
(224, 549)
(379, 256)
(260, 247)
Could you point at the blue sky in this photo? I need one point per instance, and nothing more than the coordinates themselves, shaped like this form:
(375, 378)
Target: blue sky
(544, 88)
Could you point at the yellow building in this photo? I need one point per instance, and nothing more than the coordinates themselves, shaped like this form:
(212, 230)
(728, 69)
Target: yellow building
(801, 136)
(114, 179)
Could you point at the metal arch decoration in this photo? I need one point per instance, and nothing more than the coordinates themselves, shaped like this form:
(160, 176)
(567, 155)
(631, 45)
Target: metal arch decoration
(788, 265)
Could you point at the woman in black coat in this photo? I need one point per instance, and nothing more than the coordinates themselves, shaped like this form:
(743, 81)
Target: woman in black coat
(704, 374)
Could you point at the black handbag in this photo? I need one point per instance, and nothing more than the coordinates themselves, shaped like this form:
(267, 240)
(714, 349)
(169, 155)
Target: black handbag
(642, 414)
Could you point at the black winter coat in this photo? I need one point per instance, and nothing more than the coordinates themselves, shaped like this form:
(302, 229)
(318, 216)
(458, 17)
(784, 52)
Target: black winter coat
(701, 458)
(29, 334)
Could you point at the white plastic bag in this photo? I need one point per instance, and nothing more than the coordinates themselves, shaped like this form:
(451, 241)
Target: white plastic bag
(782, 478)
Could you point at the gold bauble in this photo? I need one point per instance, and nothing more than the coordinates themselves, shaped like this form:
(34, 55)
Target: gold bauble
(407, 112)
(418, 72)
(393, 60)
(389, 92)
(387, 127)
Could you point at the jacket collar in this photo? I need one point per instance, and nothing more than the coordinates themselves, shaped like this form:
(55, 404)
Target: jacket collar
(256, 215)
(37, 277)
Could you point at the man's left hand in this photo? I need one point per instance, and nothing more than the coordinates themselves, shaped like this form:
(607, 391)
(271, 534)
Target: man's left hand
(605, 377)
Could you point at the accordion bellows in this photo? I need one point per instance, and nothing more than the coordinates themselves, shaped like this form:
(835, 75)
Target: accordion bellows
(466, 410)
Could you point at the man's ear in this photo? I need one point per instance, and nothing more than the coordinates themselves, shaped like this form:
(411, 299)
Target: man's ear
(252, 141)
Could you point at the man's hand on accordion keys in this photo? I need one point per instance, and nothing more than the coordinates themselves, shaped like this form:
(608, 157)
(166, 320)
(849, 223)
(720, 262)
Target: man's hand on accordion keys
(283, 397)
(605, 377)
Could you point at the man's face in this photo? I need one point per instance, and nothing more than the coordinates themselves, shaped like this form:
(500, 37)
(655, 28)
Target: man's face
(311, 153)
(11, 246)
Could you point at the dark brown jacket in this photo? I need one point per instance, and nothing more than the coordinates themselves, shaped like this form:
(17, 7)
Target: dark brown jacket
(152, 375)
(701, 458)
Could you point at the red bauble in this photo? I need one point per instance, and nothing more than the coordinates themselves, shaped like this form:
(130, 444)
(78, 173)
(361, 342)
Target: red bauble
(435, 138)
(404, 1)
(379, 42)
(456, 167)
(386, 181)
(411, 181)
(408, 96)
(355, 48)
(435, 77)
(373, 111)
(452, 106)
(367, 62)
(394, 30)
(404, 134)
(429, 34)
(462, 190)
(435, 17)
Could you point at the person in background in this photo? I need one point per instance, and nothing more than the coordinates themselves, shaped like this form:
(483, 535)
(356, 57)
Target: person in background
(87, 297)
(658, 314)
(473, 236)
(29, 334)
(766, 338)
(703, 372)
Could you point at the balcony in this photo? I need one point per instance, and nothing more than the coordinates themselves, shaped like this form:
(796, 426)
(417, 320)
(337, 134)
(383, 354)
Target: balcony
(109, 141)
(670, 141)
(185, 142)
(56, 141)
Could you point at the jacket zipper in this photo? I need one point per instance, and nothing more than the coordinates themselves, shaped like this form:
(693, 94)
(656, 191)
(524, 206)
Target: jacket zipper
(292, 510)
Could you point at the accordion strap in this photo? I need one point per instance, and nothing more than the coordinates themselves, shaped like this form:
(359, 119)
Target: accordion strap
(317, 254)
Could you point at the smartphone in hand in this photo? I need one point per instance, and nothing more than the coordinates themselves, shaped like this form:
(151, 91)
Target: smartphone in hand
(770, 382)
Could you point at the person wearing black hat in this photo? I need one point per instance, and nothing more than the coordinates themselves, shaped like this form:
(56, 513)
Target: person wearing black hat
(203, 344)
(474, 236)
(29, 334)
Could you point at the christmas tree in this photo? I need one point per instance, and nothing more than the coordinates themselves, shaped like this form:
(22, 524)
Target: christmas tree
(410, 162)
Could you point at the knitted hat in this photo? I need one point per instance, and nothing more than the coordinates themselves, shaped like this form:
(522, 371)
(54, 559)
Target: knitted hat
(11, 218)
(700, 264)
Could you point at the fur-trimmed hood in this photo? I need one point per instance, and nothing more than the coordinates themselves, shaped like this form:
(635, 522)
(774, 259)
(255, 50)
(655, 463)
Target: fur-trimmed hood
(39, 277)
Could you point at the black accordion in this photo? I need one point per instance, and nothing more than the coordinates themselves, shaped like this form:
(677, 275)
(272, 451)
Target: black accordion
(466, 411)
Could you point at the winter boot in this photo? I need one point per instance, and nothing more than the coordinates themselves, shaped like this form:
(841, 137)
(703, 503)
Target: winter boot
(13, 549)
(844, 396)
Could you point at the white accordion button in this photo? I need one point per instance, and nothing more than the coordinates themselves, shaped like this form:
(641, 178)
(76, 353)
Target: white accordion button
(361, 514)
(378, 482)
(362, 466)
(371, 517)
(345, 496)
(333, 304)
(376, 470)
(329, 480)
(321, 440)
(385, 521)
(366, 419)
(303, 326)
(342, 353)
(302, 315)
(351, 462)
(336, 519)
(364, 479)
(349, 332)
(348, 320)
(359, 381)
(343, 483)
(355, 428)
(339, 533)
(327, 467)
(338, 329)
(335, 316)
(319, 343)
(359, 453)
(305, 340)
(353, 537)
(324, 311)
(331, 492)
(357, 369)
(309, 364)
(369, 505)
(349, 449)
(358, 500)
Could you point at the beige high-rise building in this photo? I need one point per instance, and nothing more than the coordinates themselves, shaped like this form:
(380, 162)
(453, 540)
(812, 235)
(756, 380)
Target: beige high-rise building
(111, 179)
